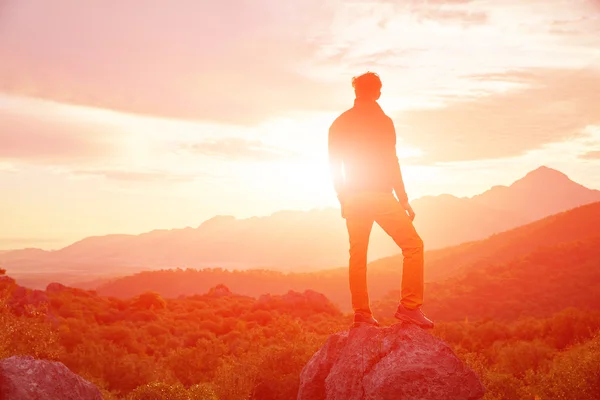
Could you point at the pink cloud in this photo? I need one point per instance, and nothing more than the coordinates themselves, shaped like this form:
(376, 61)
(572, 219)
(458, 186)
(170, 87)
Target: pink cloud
(229, 61)
(441, 11)
(463, 17)
(591, 155)
(240, 149)
(555, 105)
(27, 138)
(138, 176)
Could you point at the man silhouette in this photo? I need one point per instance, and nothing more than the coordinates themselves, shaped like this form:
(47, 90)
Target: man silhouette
(366, 173)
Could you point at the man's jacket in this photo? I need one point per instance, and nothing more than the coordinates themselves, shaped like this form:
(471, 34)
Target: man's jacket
(362, 152)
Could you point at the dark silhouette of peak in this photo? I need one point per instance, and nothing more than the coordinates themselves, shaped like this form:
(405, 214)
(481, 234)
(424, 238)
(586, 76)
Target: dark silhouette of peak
(544, 172)
(541, 192)
(544, 177)
(217, 221)
(538, 179)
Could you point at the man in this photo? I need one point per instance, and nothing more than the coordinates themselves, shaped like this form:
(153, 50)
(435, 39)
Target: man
(366, 173)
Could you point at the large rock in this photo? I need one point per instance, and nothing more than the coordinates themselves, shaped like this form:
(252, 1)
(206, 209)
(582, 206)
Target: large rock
(25, 378)
(400, 362)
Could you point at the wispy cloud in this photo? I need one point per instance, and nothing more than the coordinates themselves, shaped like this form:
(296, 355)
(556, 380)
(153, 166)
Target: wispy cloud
(64, 51)
(512, 76)
(6, 167)
(138, 176)
(557, 105)
(27, 138)
(441, 11)
(591, 155)
(465, 18)
(240, 149)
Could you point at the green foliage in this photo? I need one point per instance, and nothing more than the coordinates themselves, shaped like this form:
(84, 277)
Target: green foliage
(573, 375)
(159, 391)
(149, 301)
(539, 284)
(202, 391)
(27, 334)
(561, 362)
(230, 347)
(176, 391)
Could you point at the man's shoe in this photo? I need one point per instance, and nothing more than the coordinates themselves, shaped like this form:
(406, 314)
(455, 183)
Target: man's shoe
(362, 318)
(415, 316)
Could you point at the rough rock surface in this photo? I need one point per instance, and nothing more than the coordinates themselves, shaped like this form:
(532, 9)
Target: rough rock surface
(400, 362)
(25, 378)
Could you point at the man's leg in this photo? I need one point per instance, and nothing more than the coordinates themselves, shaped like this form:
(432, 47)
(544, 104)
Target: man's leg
(359, 231)
(398, 225)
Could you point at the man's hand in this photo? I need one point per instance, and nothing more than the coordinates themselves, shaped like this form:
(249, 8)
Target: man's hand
(341, 199)
(408, 209)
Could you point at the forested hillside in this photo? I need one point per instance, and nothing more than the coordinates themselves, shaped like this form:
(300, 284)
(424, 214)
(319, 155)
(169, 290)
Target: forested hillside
(224, 346)
(560, 247)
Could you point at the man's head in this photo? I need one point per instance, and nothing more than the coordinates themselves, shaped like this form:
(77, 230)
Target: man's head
(367, 86)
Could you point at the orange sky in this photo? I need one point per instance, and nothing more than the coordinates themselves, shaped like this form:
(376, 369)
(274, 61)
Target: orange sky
(122, 117)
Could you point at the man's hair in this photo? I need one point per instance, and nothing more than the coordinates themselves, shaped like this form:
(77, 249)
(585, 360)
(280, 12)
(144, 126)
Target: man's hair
(366, 85)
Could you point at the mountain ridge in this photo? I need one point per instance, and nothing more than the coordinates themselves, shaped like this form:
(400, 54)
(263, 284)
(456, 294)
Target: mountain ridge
(296, 240)
(546, 236)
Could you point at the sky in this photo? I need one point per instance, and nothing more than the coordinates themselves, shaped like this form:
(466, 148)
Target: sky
(124, 117)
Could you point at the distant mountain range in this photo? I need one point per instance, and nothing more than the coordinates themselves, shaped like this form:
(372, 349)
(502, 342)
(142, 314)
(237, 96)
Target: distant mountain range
(307, 240)
(541, 267)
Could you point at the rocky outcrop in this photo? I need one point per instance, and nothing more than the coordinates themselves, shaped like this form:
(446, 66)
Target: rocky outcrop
(25, 378)
(298, 304)
(219, 291)
(56, 287)
(400, 362)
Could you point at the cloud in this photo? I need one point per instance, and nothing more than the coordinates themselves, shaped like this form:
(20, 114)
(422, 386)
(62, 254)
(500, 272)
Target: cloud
(138, 176)
(229, 61)
(555, 105)
(591, 155)
(513, 76)
(240, 149)
(583, 25)
(443, 11)
(30, 138)
(6, 167)
(446, 2)
(463, 17)
(425, 3)
(371, 59)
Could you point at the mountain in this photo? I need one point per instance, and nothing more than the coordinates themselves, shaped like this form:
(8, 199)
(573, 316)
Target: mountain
(577, 225)
(575, 230)
(306, 240)
(536, 284)
(541, 192)
(447, 220)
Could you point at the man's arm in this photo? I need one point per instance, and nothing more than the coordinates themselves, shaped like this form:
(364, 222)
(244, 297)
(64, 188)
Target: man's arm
(335, 159)
(398, 181)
